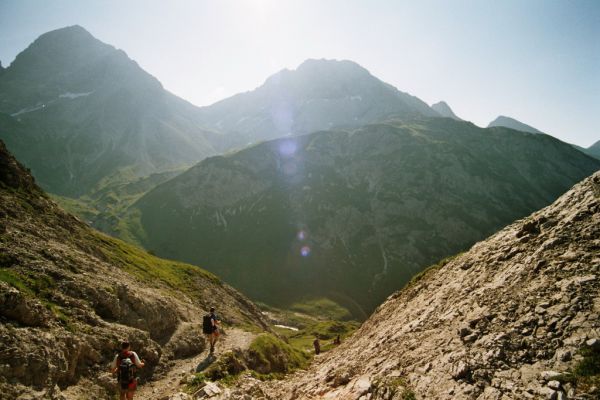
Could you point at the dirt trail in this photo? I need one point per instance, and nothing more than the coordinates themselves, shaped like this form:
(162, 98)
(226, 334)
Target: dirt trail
(170, 383)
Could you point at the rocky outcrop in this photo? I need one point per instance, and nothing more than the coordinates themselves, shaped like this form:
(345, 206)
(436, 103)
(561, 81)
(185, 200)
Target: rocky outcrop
(509, 319)
(444, 110)
(69, 295)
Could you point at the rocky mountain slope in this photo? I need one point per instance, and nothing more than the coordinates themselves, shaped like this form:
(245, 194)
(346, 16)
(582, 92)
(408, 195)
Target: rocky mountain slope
(319, 94)
(80, 113)
(69, 295)
(512, 123)
(444, 110)
(516, 317)
(353, 215)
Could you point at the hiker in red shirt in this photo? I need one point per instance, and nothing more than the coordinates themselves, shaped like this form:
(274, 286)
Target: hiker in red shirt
(125, 366)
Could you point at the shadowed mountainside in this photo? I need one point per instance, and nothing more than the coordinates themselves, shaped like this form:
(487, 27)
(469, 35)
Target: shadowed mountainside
(353, 214)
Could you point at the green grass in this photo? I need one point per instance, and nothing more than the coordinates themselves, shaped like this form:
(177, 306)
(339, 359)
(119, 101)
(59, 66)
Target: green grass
(267, 358)
(150, 269)
(586, 372)
(274, 355)
(322, 308)
(39, 287)
(431, 269)
(15, 280)
(318, 319)
(325, 330)
(77, 207)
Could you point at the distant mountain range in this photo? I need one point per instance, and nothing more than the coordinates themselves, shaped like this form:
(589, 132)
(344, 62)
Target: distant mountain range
(594, 150)
(85, 113)
(352, 214)
(319, 94)
(507, 122)
(89, 117)
(512, 123)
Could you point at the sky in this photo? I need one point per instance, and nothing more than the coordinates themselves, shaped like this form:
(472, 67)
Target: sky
(534, 60)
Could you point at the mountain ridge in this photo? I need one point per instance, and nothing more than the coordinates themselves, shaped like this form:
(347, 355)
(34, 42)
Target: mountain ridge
(512, 123)
(318, 94)
(369, 207)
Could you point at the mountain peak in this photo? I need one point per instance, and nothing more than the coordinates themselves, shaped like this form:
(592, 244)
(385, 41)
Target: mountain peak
(508, 122)
(324, 64)
(58, 51)
(444, 110)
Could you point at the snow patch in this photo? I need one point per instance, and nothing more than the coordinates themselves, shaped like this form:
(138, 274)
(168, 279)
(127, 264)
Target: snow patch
(28, 110)
(71, 95)
(291, 328)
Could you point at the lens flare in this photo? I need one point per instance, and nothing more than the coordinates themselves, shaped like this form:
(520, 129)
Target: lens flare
(288, 148)
(305, 251)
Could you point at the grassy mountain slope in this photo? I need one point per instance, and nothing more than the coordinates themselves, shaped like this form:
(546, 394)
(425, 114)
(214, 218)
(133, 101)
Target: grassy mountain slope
(69, 294)
(353, 215)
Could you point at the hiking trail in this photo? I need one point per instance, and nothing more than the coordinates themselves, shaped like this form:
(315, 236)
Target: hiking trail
(170, 383)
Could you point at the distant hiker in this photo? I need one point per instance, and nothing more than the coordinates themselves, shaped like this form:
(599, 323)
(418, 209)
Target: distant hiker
(317, 345)
(125, 366)
(337, 340)
(210, 327)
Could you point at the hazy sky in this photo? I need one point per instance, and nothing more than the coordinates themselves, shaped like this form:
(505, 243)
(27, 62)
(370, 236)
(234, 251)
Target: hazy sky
(536, 61)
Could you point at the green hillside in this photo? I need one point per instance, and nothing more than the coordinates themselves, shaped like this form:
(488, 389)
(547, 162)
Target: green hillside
(352, 215)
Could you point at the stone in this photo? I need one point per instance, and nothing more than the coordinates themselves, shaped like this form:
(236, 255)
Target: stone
(460, 370)
(211, 389)
(180, 396)
(549, 375)
(593, 343)
(548, 393)
(554, 385)
(564, 355)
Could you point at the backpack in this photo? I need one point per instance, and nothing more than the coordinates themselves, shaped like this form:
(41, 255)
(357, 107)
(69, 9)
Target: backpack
(126, 372)
(207, 326)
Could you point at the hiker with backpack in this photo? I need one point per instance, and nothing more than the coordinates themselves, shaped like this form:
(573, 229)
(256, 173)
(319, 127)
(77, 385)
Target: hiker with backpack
(210, 327)
(125, 366)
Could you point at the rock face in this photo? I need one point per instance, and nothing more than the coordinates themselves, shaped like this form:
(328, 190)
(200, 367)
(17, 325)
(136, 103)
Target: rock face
(353, 214)
(319, 94)
(79, 112)
(503, 320)
(69, 295)
(508, 122)
(444, 110)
